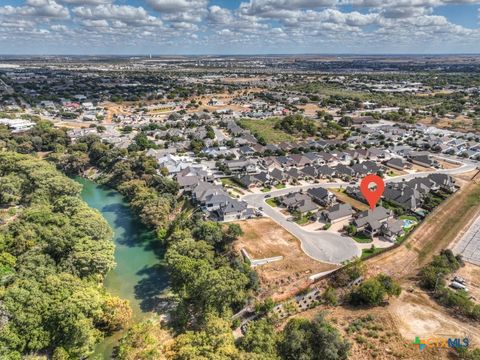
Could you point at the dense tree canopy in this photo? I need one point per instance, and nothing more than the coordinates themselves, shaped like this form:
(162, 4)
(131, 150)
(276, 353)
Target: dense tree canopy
(312, 340)
(373, 291)
(53, 257)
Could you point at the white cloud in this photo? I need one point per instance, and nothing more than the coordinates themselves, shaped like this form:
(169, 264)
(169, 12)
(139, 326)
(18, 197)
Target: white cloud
(177, 6)
(134, 16)
(86, 2)
(255, 25)
(37, 8)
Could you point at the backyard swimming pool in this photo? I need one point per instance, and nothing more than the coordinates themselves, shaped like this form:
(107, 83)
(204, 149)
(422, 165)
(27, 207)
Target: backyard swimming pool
(407, 223)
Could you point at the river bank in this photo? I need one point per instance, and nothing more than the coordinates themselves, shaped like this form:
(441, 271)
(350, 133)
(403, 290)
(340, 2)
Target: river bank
(140, 275)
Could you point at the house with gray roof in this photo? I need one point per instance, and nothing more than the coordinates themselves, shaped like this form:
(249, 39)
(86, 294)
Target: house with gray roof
(187, 183)
(247, 181)
(370, 221)
(423, 160)
(233, 210)
(238, 166)
(398, 163)
(392, 229)
(298, 202)
(336, 213)
(321, 196)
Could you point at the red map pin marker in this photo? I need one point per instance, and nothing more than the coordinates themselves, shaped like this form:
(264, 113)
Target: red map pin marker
(372, 195)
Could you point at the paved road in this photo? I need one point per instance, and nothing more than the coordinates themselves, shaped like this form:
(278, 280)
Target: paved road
(327, 246)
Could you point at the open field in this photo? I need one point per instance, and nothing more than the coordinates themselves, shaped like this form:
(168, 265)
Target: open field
(263, 238)
(265, 128)
(460, 123)
(348, 200)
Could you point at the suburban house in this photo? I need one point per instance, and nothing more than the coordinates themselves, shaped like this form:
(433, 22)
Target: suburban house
(278, 175)
(365, 168)
(187, 183)
(370, 221)
(321, 196)
(398, 164)
(247, 181)
(403, 195)
(336, 213)
(392, 229)
(214, 200)
(233, 210)
(444, 182)
(241, 166)
(204, 191)
(423, 160)
(298, 202)
(344, 172)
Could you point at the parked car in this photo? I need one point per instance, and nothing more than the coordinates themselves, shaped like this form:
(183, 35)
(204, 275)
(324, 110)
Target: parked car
(458, 286)
(268, 196)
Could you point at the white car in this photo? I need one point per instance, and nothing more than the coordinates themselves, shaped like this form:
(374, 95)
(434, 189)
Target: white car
(458, 286)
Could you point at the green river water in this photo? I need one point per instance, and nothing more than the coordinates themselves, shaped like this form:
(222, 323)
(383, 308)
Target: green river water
(140, 275)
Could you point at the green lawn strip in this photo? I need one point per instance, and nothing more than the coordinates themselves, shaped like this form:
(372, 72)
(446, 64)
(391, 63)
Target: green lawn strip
(408, 217)
(232, 183)
(271, 202)
(369, 252)
(280, 186)
(361, 238)
(266, 129)
(303, 220)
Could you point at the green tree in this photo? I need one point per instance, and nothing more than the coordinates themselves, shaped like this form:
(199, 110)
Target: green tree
(144, 341)
(312, 340)
(213, 342)
(260, 338)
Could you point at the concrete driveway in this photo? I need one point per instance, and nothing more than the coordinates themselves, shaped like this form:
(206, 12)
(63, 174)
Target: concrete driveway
(327, 246)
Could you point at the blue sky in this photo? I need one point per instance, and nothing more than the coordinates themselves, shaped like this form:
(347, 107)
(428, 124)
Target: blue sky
(160, 27)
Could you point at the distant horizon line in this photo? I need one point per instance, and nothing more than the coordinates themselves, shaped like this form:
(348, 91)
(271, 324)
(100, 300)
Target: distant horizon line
(233, 55)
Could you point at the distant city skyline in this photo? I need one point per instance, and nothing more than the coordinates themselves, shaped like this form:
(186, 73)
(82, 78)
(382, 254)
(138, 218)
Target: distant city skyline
(203, 27)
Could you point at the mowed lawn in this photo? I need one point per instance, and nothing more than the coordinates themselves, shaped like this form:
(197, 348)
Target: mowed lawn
(265, 128)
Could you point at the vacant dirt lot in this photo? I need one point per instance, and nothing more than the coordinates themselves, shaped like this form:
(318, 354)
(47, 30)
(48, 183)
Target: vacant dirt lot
(264, 238)
(447, 165)
(419, 168)
(415, 314)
